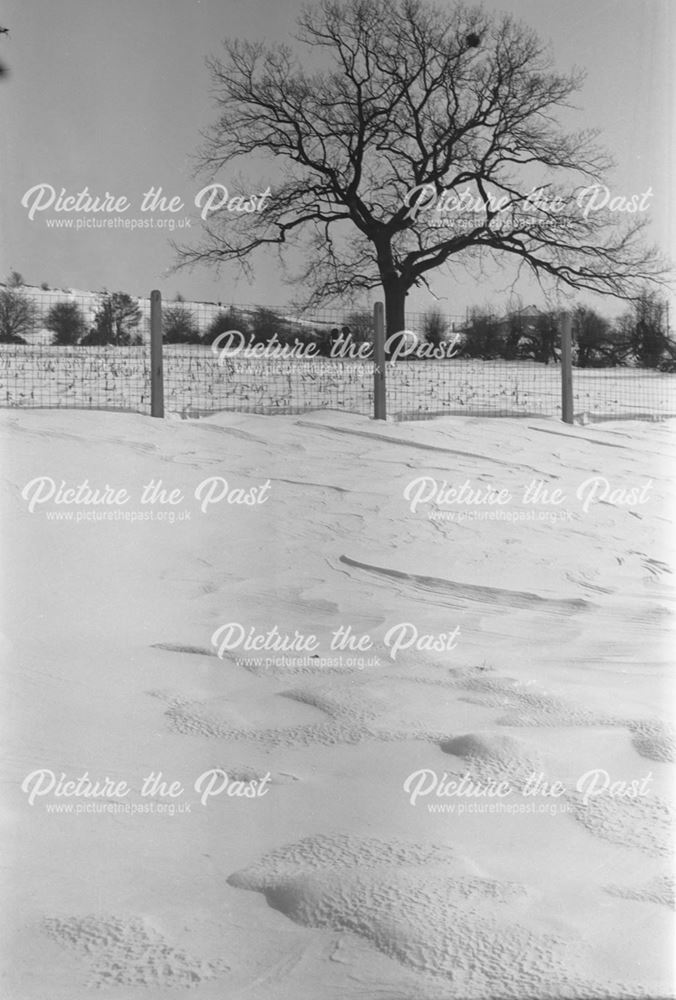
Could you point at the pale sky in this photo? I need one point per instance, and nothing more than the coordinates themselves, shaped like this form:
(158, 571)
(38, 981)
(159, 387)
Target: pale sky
(112, 96)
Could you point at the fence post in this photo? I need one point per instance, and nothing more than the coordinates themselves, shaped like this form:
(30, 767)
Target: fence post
(566, 325)
(379, 379)
(156, 369)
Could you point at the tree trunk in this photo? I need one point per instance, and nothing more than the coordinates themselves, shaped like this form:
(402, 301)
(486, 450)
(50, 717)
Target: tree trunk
(395, 311)
(395, 307)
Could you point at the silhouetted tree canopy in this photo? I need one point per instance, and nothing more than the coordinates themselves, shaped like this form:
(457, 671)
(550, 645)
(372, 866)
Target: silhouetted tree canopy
(408, 96)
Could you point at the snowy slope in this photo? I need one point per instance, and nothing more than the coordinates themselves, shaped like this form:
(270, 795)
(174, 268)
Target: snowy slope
(90, 302)
(552, 628)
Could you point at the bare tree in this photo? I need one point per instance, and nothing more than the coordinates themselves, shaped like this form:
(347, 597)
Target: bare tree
(19, 315)
(412, 104)
(115, 321)
(598, 343)
(650, 340)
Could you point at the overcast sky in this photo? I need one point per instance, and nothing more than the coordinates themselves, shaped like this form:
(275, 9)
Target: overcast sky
(112, 96)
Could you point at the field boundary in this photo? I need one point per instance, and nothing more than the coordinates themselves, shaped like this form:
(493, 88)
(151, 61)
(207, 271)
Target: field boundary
(387, 377)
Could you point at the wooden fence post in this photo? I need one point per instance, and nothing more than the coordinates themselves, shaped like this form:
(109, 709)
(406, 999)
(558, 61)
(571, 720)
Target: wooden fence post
(379, 378)
(566, 325)
(156, 368)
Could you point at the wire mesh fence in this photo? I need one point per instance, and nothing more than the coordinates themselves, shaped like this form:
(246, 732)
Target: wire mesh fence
(92, 351)
(88, 378)
(197, 382)
(630, 393)
(467, 386)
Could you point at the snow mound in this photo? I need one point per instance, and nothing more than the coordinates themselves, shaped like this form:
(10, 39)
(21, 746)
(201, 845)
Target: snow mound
(189, 717)
(220, 718)
(527, 707)
(660, 890)
(644, 823)
(128, 952)
(351, 716)
(425, 907)
(343, 851)
(654, 739)
(485, 746)
(494, 757)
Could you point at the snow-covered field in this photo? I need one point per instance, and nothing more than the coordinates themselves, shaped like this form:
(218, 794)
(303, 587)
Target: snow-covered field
(270, 825)
(198, 381)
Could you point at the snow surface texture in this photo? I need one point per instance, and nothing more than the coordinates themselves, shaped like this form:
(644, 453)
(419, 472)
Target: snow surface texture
(333, 884)
(128, 953)
(422, 906)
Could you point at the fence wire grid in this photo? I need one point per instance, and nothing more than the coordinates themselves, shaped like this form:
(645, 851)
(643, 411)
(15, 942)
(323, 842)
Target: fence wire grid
(199, 379)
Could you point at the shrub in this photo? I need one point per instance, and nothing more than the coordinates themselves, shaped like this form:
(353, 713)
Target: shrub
(299, 336)
(115, 321)
(179, 326)
(265, 324)
(355, 331)
(435, 327)
(18, 315)
(648, 333)
(334, 343)
(67, 323)
(513, 344)
(359, 325)
(11, 338)
(481, 336)
(324, 341)
(541, 339)
(224, 321)
(599, 345)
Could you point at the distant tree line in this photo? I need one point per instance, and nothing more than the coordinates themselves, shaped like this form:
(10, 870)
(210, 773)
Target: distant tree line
(118, 316)
(639, 337)
(260, 326)
(115, 322)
